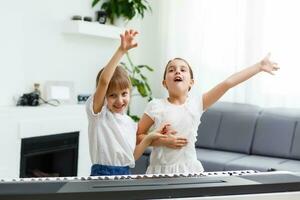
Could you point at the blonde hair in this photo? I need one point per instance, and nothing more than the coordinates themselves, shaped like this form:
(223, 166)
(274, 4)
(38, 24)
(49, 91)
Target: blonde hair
(190, 69)
(119, 80)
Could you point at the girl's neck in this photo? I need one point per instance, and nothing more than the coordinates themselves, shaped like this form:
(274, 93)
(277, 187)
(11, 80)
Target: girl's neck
(177, 100)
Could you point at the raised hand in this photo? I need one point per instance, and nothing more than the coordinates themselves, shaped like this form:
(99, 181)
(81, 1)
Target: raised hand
(127, 40)
(267, 65)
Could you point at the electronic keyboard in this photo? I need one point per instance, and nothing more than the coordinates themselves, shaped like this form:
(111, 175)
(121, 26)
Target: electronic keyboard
(150, 186)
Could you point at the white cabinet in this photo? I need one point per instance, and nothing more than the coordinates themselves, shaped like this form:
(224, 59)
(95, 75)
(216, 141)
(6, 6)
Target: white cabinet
(92, 29)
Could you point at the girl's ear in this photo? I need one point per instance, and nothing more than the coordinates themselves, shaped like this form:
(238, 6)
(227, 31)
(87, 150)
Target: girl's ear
(191, 84)
(164, 84)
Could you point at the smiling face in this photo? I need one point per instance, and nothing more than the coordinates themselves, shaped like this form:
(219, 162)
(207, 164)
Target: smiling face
(118, 91)
(118, 100)
(178, 77)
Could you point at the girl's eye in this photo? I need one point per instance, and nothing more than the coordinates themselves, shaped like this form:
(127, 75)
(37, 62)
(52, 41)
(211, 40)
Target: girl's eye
(171, 70)
(113, 95)
(183, 70)
(124, 94)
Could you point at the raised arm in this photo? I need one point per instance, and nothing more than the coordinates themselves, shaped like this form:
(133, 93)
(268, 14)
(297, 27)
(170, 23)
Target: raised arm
(127, 42)
(210, 97)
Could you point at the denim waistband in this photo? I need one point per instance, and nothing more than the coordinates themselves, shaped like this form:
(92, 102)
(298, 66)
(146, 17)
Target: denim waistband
(107, 170)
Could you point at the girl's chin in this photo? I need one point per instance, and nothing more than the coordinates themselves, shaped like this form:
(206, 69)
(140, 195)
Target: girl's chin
(120, 110)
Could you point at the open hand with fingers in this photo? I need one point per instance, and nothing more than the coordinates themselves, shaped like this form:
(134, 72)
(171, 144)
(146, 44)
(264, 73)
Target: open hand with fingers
(267, 65)
(127, 40)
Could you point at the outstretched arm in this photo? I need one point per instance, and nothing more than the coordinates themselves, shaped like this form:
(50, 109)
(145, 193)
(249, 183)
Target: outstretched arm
(127, 42)
(218, 91)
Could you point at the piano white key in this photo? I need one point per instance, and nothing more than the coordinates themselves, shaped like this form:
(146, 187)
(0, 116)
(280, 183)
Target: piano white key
(148, 175)
(135, 176)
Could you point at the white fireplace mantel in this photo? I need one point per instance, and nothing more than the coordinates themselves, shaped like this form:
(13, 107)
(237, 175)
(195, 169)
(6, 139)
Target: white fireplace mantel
(23, 122)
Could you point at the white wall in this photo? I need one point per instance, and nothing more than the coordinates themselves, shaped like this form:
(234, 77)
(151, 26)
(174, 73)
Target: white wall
(34, 48)
(151, 50)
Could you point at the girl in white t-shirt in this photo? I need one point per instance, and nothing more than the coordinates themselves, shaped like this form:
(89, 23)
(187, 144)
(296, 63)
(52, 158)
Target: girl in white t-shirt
(112, 134)
(176, 153)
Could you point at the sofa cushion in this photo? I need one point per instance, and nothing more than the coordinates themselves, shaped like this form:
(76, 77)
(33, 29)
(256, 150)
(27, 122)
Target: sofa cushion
(274, 134)
(223, 122)
(213, 160)
(236, 131)
(208, 129)
(222, 106)
(253, 162)
(295, 151)
(289, 165)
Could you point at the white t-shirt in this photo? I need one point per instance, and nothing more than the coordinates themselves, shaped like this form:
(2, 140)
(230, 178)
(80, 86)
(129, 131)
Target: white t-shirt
(112, 136)
(185, 119)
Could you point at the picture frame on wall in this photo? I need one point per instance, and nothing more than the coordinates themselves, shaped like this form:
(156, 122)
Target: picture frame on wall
(63, 91)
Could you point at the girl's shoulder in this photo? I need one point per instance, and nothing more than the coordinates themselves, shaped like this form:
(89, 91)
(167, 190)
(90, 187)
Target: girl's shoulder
(195, 101)
(89, 107)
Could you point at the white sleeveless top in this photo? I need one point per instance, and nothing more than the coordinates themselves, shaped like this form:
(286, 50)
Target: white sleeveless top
(112, 137)
(185, 119)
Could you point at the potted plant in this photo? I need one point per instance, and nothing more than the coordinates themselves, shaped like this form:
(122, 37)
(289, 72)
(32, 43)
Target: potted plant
(126, 9)
(139, 82)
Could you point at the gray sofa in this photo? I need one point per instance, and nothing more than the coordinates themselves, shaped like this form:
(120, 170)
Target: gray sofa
(234, 136)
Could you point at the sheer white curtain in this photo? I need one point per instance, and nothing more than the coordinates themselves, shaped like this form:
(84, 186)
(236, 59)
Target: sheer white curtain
(220, 37)
(282, 36)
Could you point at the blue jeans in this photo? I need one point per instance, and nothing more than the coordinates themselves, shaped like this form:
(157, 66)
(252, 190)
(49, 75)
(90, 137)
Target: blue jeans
(106, 170)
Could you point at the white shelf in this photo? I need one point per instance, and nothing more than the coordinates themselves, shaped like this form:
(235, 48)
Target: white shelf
(93, 29)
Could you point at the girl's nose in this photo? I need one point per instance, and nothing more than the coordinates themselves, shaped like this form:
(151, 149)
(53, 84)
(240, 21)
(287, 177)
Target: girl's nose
(119, 99)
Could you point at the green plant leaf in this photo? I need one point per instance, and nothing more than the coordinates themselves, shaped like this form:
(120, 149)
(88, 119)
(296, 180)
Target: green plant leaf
(134, 118)
(135, 82)
(127, 68)
(142, 90)
(138, 80)
(137, 70)
(144, 78)
(148, 87)
(95, 2)
(146, 66)
(126, 8)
